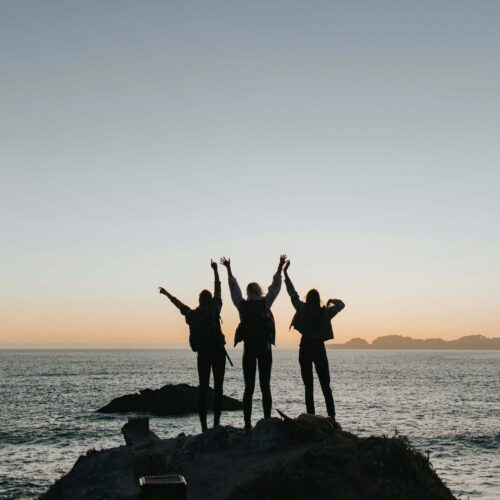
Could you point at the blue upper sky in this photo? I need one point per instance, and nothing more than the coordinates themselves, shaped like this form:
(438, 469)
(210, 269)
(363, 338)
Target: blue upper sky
(140, 139)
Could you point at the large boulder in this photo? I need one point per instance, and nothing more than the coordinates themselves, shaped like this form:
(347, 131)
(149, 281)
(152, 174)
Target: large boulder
(171, 399)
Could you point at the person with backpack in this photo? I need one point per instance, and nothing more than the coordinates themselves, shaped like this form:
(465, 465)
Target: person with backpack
(206, 339)
(313, 321)
(257, 332)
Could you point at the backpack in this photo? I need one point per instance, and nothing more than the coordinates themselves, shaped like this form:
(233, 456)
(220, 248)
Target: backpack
(298, 322)
(257, 326)
(204, 331)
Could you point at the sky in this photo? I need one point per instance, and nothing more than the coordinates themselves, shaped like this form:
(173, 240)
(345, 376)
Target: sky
(138, 140)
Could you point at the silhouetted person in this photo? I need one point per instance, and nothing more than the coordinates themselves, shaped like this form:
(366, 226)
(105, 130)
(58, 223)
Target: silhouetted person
(206, 338)
(257, 331)
(313, 321)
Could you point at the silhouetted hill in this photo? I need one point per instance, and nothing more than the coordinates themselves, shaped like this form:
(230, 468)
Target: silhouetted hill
(356, 343)
(479, 342)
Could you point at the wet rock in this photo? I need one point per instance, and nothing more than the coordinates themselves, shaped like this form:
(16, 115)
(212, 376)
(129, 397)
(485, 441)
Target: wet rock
(178, 399)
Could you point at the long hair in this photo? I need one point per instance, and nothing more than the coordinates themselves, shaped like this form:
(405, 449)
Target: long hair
(313, 311)
(206, 304)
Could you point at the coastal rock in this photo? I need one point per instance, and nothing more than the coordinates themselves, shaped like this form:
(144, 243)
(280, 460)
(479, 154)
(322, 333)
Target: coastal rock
(212, 440)
(269, 434)
(345, 466)
(136, 431)
(171, 399)
(228, 463)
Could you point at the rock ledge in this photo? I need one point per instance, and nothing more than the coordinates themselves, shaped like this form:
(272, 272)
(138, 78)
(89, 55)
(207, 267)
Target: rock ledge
(267, 463)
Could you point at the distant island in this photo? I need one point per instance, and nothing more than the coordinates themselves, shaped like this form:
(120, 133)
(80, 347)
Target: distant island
(478, 342)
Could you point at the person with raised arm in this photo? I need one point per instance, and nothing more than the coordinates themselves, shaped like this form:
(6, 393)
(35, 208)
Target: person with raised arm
(313, 321)
(206, 338)
(257, 332)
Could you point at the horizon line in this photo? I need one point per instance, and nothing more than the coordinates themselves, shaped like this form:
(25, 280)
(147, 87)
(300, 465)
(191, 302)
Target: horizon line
(180, 347)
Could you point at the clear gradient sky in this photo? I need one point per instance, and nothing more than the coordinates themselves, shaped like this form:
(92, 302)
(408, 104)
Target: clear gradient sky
(140, 139)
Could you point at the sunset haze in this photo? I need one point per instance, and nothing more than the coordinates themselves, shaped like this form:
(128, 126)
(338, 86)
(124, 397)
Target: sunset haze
(139, 141)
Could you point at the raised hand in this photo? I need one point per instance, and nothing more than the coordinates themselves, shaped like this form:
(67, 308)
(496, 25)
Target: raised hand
(213, 265)
(225, 262)
(283, 259)
(286, 266)
(163, 291)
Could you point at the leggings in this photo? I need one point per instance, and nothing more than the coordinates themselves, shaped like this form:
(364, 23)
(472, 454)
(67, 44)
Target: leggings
(216, 361)
(314, 352)
(253, 356)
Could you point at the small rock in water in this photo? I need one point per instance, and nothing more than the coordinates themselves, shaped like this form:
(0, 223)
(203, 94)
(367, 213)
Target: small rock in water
(178, 399)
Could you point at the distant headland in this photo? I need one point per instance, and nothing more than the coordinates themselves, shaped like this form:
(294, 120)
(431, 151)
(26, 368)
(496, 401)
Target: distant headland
(471, 342)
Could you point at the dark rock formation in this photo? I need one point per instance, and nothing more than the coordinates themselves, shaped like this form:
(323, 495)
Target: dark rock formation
(225, 462)
(344, 466)
(269, 435)
(136, 431)
(169, 400)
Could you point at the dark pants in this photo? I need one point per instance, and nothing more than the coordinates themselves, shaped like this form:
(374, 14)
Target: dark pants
(313, 351)
(261, 356)
(214, 360)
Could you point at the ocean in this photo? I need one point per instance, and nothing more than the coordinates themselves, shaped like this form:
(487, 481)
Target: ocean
(446, 402)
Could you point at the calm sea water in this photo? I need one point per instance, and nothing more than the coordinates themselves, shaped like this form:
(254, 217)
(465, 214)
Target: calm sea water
(447, 402)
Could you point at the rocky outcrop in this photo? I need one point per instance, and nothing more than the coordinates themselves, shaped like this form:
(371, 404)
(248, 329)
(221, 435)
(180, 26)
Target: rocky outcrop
(269, 435)
(169, 400)
(229, 463)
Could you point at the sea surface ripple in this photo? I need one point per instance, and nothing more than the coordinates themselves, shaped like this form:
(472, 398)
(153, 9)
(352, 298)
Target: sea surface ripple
(446, 402)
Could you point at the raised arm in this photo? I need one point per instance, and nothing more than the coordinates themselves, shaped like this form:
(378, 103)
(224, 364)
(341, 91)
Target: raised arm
(217, 288)
(177, 303)
(333, 307)
(275, 286)
(234, 288)
(294, 296)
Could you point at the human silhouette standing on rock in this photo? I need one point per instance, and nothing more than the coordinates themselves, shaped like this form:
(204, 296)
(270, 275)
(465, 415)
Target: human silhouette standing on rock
(313, 321)
(206, 338)
(258, 332)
